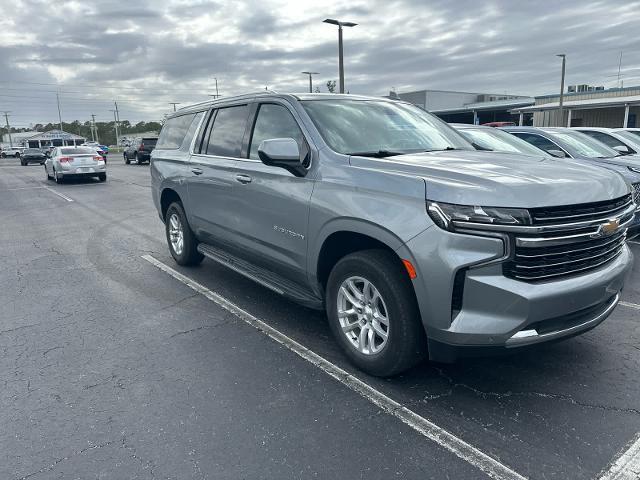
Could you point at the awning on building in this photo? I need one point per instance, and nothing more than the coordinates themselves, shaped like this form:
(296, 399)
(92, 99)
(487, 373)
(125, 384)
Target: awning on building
(589, 103)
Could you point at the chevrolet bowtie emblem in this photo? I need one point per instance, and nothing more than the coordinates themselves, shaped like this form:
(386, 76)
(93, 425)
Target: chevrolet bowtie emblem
(608, 228)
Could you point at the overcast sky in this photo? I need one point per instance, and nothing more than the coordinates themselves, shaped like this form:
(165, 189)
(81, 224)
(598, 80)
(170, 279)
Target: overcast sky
(145, 54)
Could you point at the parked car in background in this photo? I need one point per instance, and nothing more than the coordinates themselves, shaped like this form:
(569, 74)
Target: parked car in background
(102, 149)
(499, 124)
(75, 162)
(496, 140)
(139, 150)
(378, 212)
(613, 139)
(11, 152)
(32, 155)
(569, 143)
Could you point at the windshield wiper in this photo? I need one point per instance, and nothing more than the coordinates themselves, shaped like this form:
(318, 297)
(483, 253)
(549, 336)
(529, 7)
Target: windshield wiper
(442, 149)
(377, 153)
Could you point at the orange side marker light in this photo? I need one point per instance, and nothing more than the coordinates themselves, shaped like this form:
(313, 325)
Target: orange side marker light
(410, 269)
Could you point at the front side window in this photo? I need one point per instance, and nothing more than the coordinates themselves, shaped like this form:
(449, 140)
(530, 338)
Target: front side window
(225, 139)
(585, 146)
(274, 121)
(357, 126)
(173, 132)
(538, 141)
(608, 140)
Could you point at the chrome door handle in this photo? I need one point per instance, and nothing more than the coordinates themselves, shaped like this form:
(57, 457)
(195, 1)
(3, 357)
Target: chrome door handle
(243, 179)
(197, 171)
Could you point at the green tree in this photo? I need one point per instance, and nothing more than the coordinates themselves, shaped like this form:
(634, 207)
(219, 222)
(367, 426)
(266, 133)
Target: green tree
(331, 86)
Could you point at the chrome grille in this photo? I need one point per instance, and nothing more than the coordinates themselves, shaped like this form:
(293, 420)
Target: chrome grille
(579, 213)
(538, 263)
(569, 240)
(636, 193)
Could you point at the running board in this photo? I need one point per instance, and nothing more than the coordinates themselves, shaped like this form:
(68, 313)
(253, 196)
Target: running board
(264, 277)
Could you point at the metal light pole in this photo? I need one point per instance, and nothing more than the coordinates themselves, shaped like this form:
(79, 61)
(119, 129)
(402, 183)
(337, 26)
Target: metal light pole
(6, 117)
(310, 80)
(561, 109)
(59, 114)
(340, 54)
(174, 105)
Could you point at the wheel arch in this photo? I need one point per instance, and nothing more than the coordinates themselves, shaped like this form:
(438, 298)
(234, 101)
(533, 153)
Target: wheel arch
(168, 196)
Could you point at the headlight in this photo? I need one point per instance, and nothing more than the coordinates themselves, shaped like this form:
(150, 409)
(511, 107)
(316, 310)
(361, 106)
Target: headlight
(634, 169)
(445, 214)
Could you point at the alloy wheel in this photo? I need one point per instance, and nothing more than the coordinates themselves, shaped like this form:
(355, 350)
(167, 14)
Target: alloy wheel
(176, 234)
(363, 315)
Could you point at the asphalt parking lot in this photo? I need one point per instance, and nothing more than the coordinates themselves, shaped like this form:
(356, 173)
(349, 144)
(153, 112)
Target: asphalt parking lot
(112, 368)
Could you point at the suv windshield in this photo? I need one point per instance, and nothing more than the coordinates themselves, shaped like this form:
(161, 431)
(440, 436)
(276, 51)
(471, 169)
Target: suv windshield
(387, 128)
(499, 141)
(585, 146)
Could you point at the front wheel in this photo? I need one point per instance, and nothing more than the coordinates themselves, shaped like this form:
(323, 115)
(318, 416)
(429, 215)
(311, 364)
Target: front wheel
(180, 238)
(373, 313)
(102, 177)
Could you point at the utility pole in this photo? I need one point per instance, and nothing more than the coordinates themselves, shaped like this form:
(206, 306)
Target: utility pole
(6, 117)
(217, 94)
(311, 74)
(561, 110)
(94, 129)
(174, 105)
(619, 67)
(59, 114)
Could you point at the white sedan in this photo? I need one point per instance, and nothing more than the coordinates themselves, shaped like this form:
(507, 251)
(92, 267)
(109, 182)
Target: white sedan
(74, 162)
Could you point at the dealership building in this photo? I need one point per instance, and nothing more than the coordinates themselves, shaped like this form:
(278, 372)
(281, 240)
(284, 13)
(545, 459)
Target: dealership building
(468, 107)
(594, 107)
(55, 138)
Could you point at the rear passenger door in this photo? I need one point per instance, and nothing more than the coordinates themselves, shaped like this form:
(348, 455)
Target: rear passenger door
(270, 206)
(213, 173)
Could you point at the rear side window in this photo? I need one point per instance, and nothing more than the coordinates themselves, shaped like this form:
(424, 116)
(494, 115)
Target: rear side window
(173, 132)
(78, 151)
(227, 132)
(274, 121)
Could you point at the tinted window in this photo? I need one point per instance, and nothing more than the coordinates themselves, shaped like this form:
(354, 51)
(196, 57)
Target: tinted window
(585, 146)
(78, 151)
(149, 141)
(274, 121)
(604, 138)
(225, 139)
(32, 150)
(351, 126)
(499, 141)
(173, 132)
(538, 141)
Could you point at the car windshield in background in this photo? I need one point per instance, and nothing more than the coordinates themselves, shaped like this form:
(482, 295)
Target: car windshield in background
(32, 150)
(78, 151)
(380, 128)
(631, 138)
(499, 141)
(585, 146)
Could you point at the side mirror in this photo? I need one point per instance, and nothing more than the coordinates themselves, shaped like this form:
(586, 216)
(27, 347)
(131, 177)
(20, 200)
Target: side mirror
(557, 153)
(623, 149)
(284, 153)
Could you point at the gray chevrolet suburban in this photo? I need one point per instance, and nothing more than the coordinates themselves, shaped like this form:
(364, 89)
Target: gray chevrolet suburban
(375, 210)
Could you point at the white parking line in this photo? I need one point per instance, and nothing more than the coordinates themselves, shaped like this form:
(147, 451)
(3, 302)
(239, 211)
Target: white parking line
(20, 188)
(630, 305)
(627, 465)
(59, 194)
(492, 467)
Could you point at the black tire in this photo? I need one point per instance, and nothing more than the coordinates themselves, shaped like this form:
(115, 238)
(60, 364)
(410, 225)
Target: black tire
(406, 343)
(102, 177)
(57, 178)
(23, 163)
(135, 157)
(17, 155)
(189, 254)
(3, 155)
(126, 159)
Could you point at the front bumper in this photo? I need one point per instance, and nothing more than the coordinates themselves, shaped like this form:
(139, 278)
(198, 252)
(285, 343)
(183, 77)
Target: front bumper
(467, 303)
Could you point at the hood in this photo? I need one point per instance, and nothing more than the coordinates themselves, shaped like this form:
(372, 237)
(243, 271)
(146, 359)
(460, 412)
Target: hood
(503, 179)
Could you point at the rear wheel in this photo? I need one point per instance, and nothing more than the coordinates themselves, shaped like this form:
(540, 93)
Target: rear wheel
(23, 163)
(126, 159)
(181, 240)
(373, 313)
(3, 155)
(102, 177)
(56, 177)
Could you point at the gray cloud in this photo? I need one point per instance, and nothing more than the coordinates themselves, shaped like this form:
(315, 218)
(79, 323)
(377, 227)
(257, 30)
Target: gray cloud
(146, 54)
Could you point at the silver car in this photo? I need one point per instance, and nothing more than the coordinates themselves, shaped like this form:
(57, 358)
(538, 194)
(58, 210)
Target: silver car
(75, 162)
